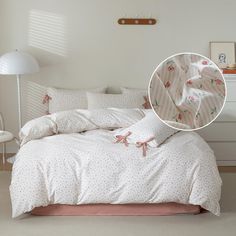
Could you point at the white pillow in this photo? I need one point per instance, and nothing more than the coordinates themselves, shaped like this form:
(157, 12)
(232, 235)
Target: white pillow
(97, 101)
(37, 128)
(143, 92)
(138, 92)
(149, 128)
(68, 99)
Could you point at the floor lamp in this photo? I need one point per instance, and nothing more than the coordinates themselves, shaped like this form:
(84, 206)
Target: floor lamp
(18, 63)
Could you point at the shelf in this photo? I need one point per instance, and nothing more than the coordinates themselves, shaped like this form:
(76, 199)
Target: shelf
(229, 71)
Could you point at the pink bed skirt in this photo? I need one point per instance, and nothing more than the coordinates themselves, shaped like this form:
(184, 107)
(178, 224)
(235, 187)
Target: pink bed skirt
(161, 209)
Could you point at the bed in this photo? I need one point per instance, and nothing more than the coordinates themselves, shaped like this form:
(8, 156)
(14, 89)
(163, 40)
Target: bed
(73, 163)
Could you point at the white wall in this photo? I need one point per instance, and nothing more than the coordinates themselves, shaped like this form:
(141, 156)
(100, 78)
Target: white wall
(79, 43)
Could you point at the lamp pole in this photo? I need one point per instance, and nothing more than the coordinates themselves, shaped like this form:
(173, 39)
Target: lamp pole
(3, 145)
(19, 101)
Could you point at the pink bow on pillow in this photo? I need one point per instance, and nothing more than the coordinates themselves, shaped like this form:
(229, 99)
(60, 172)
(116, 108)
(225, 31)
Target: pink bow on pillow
(143, 145)
(123, 139)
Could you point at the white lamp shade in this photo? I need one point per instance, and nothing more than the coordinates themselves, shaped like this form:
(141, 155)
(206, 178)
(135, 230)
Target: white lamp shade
(18, 63)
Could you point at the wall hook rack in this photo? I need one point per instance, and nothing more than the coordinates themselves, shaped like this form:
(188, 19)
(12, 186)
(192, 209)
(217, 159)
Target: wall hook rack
(137, 21)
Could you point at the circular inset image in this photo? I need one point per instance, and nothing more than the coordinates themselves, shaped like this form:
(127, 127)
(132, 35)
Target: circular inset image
(187, 91)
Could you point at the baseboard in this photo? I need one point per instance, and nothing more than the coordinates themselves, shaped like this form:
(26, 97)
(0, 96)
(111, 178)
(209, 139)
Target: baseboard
(227, 169)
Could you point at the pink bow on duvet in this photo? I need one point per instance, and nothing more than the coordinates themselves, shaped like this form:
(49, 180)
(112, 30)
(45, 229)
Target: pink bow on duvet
(123, 139)
(143, 145)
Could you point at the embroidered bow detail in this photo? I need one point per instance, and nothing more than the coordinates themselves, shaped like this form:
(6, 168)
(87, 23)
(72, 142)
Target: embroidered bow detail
(146, 103)
(143, 145)
(46, 99)
(123, 139)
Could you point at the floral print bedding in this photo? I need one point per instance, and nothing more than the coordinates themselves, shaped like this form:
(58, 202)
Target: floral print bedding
(187, 91)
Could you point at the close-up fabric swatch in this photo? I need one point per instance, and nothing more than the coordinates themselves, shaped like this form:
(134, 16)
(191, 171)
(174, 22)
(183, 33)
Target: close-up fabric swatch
(187, 91)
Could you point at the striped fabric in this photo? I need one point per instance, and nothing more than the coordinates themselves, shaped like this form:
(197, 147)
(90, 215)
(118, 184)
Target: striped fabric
(187, 91)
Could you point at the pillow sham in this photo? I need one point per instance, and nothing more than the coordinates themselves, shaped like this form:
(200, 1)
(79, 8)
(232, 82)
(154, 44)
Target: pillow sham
(68, 99)
(98, 101)
(150, 130)
(141, 92)
(37, 128)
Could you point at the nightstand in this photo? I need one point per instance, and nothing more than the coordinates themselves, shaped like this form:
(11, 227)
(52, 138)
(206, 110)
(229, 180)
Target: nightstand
(5, 137)
(221, 134)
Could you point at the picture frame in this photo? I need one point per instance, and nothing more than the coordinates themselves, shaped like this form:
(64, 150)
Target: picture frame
(222, 53)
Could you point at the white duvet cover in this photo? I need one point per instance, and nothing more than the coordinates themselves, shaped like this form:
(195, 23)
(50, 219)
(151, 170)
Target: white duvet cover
(71, 158)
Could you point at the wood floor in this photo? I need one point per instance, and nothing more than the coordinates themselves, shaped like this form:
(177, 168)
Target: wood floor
(8, 166)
